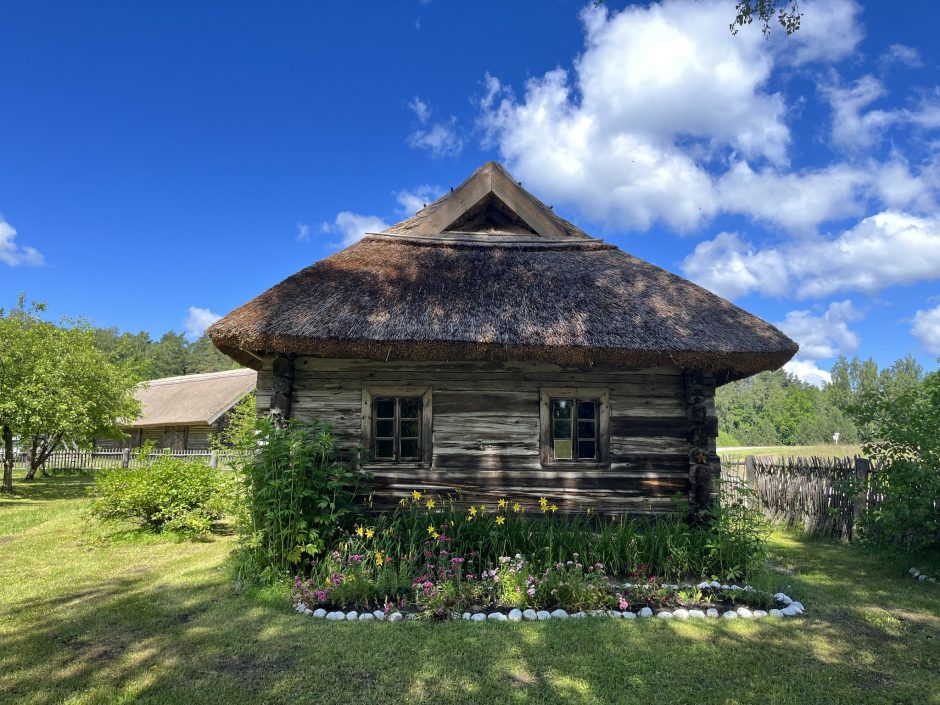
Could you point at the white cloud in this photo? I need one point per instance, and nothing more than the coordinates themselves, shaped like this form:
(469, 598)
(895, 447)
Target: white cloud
(808, 371)
(820, 337)
(829, 30)
(303, 232)
(352, 227)
(823, 336)
(902, 54)
(731, 267)
(413, 200)
(926, 328)
(441, 138)
(421, 109)
(887, 249)
(197, 320)
(662, 96)
(13, 254)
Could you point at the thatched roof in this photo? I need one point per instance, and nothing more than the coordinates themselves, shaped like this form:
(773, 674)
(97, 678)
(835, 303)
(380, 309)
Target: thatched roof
(488, 272)
(191, 399)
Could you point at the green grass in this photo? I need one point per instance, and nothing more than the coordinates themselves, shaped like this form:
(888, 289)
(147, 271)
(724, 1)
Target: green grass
(822, 451)
(92, 614)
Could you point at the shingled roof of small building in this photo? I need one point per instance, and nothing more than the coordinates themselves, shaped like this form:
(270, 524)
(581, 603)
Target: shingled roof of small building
(489, 272)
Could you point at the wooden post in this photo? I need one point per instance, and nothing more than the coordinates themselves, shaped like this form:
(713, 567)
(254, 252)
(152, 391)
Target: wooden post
(214, 459)
(282, 387)
(125, 457)
(700, 472)
(862, 468)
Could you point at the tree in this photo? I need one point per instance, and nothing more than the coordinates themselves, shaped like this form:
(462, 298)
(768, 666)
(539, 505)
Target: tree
(786, 12)
(56, 387)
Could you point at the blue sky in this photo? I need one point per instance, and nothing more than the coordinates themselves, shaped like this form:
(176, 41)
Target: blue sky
(165, 162)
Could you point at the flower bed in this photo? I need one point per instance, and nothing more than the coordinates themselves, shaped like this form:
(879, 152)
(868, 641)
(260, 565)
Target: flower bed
(784, 606)
(433, 559)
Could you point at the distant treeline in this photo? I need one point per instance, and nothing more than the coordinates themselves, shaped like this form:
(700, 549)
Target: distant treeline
(169, 356)
(777, 408)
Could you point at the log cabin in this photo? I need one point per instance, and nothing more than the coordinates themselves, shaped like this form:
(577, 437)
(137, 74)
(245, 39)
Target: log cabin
(488, 348)
(183, 413)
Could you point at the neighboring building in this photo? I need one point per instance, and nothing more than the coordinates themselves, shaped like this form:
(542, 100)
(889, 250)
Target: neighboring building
(488, 346)
(182, 413)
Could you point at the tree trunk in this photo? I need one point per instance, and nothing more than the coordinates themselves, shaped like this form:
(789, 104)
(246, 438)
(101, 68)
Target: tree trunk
(7, 459)
(40, 454)
(33, 453)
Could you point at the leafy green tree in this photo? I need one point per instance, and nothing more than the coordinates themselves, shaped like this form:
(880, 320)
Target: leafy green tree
(56, 387)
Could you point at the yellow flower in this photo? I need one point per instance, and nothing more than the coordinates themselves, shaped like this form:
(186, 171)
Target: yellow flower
(403, 501)
(360, 531)
(501, 503)
(472, 511)
(543, 503)
(554, 508)
(429, 504)
(379, 559)
(516, 507)
(415, 495)
(431, 529)
(369, 533)
(500, 520)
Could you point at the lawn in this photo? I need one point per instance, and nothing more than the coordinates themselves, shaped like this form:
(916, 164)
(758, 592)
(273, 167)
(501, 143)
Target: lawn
(822, 451)
(92, 614)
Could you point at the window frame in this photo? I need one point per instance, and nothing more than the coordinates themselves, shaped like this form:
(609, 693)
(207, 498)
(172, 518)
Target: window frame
(425, 439)
(599, 395)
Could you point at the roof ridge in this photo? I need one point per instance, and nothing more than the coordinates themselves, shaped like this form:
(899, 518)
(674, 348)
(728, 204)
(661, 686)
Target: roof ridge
(180, 379)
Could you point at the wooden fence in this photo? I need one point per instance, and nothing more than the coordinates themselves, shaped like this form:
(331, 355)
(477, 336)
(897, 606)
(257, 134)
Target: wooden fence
(814, 492)
(100, 459)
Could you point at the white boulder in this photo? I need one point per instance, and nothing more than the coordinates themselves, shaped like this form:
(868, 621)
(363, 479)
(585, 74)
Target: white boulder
(395, 617)
(366, 617)
(379, 615)
(730, 614)
(336, 616)
(680, 613)
(515, 615)
(629, 615)
(665, 614)
(775, 613)
(614, 614)
(543, 615)
(645, 612)
(479, 617)
(696, 614)
(319, 613)
(530, 615)
(352, 616)
(712, 612)
(759, 614)
(496, 616)
(559, 614)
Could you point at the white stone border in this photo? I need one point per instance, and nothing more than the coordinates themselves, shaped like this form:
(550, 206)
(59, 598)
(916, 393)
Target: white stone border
(921, 577)
(788, 608)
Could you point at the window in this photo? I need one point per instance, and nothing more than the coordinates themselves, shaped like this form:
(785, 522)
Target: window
(397, 434)
(574, 424)
(396, 425)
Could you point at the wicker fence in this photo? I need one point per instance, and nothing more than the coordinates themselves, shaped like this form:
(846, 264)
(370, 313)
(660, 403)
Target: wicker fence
(813, 492)
(100, 459)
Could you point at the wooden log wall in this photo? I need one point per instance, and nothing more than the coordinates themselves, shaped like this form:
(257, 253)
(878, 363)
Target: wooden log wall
(486, 429)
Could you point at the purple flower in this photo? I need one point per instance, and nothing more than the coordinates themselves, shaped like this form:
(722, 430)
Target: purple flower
(355, 558)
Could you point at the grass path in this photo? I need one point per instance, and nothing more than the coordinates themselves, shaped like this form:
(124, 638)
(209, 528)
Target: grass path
(94, 615)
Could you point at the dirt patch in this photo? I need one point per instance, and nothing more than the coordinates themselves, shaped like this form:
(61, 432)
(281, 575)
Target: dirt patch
(524, 679)
(246, 667)
(5, 539)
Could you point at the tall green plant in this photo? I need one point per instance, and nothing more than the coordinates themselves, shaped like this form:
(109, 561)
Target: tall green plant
(296, 497)
(907, 447)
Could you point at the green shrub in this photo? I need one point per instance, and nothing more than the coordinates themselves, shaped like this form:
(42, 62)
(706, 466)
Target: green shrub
(295, 498)
(166, 493)
(907, 449)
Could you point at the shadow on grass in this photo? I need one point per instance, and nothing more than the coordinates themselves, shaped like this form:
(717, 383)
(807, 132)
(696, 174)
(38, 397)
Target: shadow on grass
(48, 489)
(141, 638)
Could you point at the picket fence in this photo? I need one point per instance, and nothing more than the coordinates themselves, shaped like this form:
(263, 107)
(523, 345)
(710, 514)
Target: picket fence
(101, 459)
(816, 493)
